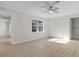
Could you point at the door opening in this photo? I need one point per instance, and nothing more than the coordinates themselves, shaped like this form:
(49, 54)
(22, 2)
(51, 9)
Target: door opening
(4, 31)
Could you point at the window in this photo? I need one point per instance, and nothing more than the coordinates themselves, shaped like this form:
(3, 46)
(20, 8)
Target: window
(37, 26)
(34, 25)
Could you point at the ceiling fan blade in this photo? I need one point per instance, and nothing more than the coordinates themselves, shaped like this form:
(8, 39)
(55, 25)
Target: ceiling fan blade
(48, 9)
(55, 11)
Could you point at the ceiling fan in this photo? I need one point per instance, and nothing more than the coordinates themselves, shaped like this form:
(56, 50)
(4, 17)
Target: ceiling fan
(51, 6)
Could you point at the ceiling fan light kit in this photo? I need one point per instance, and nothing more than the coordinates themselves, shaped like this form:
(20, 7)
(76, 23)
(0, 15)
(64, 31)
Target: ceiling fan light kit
(50, 12)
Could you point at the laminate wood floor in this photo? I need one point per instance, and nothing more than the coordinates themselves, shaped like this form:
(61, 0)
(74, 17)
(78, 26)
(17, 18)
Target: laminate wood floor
(51, 47)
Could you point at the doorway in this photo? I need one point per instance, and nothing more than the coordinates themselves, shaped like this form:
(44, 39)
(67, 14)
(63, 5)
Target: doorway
(4, 31)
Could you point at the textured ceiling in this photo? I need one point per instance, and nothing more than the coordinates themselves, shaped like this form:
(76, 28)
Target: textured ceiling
(35, 8)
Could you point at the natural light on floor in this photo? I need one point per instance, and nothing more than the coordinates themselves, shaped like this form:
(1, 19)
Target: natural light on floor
(58, 40)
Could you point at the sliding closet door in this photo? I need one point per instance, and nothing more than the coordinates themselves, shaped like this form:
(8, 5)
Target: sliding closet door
(75, 28)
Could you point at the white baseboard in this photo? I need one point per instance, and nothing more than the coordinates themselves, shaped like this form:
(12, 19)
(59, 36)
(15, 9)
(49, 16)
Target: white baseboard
(25, 41)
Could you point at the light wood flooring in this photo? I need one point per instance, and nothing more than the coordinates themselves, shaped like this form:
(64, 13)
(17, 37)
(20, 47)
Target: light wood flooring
(41, 48)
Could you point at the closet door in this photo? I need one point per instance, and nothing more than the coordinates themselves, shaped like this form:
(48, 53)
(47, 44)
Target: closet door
(75, 28)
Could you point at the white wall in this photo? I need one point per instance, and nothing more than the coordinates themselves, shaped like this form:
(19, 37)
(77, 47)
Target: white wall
(59, 27)
(21, 28)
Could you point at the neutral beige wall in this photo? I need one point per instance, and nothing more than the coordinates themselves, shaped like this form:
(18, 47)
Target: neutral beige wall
(21, 28)
(59, 27)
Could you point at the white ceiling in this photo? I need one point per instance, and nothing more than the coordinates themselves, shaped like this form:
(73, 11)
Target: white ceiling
(35, 8)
